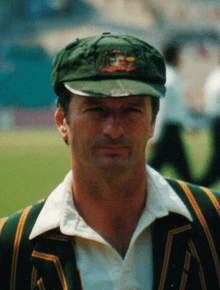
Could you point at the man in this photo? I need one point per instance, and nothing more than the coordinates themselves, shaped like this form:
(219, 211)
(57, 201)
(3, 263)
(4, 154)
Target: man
(174, 117)
(212, 109)
(112, 223)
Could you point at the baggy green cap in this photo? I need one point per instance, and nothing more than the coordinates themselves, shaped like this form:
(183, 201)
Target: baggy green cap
(109, 65)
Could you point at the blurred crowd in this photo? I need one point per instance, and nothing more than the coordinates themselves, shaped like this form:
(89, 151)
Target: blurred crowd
(176, 117)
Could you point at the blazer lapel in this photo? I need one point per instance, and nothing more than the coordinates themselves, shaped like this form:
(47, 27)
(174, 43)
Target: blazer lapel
(54, 263)
(174, 265)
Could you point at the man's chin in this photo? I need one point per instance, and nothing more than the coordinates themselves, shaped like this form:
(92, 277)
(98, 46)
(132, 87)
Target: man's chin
(112, 164)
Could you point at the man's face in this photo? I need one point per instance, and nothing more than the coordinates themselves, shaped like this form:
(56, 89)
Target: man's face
(107, 134)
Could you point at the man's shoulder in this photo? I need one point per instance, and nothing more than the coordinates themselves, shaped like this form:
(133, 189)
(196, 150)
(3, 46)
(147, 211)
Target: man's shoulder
(21, 222)
(204, 207)
(202, 202)
(184, 187)
(16, 248)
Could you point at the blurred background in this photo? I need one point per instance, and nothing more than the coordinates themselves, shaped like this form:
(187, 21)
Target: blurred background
(33, 157)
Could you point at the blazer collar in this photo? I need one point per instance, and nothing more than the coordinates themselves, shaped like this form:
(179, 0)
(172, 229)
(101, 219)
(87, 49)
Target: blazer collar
(54, 262)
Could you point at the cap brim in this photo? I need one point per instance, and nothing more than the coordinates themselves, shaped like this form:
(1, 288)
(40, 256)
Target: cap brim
(114, 88)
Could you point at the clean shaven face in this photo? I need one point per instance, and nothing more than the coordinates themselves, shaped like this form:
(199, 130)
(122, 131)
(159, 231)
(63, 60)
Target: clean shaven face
(109, 134)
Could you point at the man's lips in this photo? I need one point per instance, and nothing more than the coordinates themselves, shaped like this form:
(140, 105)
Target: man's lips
(113, 147)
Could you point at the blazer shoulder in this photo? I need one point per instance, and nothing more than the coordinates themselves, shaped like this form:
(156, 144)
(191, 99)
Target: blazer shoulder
(204, 207)
(21, 221)
(200, 201)
(183, 188)
(15, 246)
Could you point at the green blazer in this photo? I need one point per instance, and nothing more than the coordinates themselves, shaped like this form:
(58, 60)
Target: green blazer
(186, 255)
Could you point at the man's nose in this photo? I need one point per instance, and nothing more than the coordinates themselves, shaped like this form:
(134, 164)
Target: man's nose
(113, 127)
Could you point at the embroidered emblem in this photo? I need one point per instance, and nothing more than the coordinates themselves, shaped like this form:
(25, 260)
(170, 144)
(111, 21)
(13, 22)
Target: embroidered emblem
(118, 61)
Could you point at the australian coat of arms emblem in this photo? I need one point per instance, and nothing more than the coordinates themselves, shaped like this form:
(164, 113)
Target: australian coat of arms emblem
(117, 61)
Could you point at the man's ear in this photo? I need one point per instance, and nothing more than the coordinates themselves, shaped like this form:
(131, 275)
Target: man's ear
(60, 120)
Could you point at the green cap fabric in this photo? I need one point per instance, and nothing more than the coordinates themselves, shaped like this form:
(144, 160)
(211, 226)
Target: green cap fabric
(109, 65)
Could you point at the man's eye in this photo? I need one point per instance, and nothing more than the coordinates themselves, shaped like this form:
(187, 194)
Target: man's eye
(133, 110)
(95, 109)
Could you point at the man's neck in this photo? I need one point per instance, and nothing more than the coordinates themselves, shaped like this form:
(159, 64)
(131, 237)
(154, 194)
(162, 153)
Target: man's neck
(111, 208)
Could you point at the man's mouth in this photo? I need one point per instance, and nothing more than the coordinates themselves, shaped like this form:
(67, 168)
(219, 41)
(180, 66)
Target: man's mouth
(113, 147)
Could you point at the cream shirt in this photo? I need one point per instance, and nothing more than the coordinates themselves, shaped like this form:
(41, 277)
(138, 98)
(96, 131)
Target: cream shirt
(100, 265)
(212, 93)
(173, 109)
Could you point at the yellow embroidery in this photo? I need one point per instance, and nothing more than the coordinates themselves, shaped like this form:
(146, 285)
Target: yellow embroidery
(58, 266)
(17, 241)
(204, 225)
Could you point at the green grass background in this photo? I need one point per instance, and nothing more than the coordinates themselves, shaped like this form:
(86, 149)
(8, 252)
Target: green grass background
(34, 162)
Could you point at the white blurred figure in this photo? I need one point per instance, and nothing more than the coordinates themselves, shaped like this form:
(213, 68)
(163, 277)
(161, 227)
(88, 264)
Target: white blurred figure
(6, 119)
(173, 109)
(212, 94)
(212, 108)
(173, 117)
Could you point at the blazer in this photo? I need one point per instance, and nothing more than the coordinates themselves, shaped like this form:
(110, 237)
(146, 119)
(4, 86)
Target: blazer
(186, 254)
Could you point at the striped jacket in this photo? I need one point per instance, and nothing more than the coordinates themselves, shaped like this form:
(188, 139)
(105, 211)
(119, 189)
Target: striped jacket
(186, 255)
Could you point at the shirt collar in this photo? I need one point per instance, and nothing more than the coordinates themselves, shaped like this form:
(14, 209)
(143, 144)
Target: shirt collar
(59, 209)
(160, 190)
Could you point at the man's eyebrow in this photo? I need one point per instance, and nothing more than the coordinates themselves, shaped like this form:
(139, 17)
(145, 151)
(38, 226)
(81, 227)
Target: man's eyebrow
(136, 103)
(91, 101)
